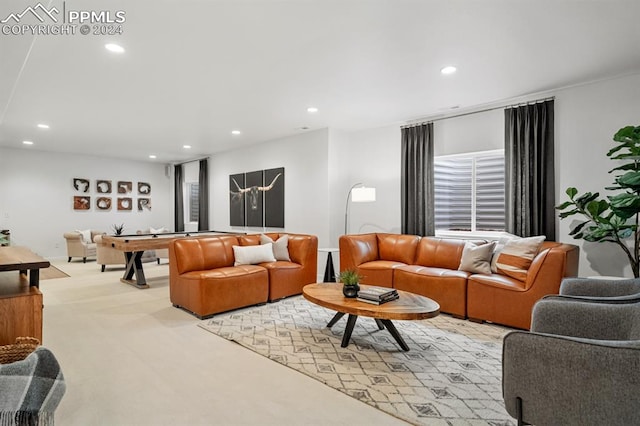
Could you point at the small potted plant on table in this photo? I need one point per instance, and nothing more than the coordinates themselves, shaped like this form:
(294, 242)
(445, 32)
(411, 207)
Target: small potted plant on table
(350, 280)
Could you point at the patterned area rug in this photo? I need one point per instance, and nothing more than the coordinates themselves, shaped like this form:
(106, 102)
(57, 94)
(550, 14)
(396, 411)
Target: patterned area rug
(451, 376)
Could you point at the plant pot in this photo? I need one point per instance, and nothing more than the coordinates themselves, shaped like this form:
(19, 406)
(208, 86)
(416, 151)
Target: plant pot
(350, 291)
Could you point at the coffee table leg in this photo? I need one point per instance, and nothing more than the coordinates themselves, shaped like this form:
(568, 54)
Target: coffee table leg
(379, 323)
(394, 332)
(335, 319)
(351, 322)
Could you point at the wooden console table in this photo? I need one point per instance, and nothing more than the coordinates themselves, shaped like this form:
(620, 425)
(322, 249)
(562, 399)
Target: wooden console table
(22, 259)
(20, 297)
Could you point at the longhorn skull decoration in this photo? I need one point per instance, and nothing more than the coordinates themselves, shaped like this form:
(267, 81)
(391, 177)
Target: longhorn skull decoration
(253, 191)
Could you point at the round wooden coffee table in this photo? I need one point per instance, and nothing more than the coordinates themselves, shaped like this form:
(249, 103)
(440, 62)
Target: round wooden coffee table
(408, 306)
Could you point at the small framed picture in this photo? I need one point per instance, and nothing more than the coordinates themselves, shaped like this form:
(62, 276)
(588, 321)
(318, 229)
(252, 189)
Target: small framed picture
(124, 187)
(103, 186)
(144, 204)
(125, 204)
(103, 203)
(144, 188)
(81, 202)
(81, 185)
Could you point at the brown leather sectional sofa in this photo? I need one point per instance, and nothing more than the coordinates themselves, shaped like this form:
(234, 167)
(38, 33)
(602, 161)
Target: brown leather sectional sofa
(429, 266)
(204, 280)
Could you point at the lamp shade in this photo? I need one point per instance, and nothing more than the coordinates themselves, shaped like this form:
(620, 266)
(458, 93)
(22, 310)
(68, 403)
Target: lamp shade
(363, 195)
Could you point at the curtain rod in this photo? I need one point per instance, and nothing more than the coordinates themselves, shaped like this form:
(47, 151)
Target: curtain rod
(462, 114)
(191, 161)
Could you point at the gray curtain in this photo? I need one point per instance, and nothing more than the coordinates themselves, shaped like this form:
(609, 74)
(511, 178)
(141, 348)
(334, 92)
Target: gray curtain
(178, 199)
(529, 170)
(417, 187)
(203, 196)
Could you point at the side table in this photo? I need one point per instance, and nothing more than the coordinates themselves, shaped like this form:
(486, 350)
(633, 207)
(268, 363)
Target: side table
(329, 271)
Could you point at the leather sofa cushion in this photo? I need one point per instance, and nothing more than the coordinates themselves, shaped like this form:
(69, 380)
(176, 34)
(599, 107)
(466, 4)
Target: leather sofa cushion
(439, 252)
(431, 272)
(398, 248)
(204, 253)
(223, 273)
(378, 272)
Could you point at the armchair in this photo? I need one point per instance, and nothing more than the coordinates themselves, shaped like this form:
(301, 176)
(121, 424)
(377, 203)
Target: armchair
(602, 290)
(577, 366)
(77, 246)
(107, 255)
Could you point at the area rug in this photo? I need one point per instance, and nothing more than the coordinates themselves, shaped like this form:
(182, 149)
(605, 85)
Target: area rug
(451, 375)
(52, 273)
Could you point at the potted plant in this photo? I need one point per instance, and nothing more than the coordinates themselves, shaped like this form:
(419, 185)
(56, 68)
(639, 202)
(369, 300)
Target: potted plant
(616, 218)
(350, 280)
(117, 229)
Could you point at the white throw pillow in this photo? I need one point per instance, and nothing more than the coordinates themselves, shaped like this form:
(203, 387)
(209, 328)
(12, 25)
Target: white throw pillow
(516, 256)
(476, 259)
(86, 236)
(280, 247)
(250, 255)
(156, 231)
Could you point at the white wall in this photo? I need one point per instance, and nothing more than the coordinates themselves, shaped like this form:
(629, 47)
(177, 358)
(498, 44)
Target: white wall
(372, 157)
(36, 197)
(305, 161)
(483, 131)
(586, 118)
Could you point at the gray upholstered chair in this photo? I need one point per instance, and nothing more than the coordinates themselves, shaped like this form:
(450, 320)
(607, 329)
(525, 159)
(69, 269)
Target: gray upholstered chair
(579, 364)
(601, 290)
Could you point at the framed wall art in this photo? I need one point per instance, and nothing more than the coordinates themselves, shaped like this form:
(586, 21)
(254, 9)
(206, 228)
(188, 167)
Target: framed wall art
(236, 200)
(103, 186)
(81, 202)
(144, 204)
(125, 204)
(125, 187)
(257, 198)
(81, 185)
(144, 188)
(103, 203)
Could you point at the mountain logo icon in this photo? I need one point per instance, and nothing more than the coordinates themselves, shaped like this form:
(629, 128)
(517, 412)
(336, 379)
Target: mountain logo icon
(39, 11)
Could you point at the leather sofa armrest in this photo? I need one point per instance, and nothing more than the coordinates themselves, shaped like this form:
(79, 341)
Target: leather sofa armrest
(357, 249)
(550, 266)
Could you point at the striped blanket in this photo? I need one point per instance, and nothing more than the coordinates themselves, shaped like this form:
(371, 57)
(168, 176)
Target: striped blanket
(31, 389)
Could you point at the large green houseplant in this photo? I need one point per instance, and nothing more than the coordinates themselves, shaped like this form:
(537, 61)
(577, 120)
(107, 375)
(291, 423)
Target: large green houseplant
(614, 219)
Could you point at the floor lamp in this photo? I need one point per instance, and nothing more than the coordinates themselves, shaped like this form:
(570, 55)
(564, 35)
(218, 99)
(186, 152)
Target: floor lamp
(358, 194)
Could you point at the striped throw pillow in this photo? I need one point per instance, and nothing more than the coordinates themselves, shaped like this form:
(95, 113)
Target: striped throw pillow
(516, 256)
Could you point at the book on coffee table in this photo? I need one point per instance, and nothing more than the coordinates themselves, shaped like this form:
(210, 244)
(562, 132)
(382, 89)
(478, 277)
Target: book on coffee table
(379, 301)
(372, 292)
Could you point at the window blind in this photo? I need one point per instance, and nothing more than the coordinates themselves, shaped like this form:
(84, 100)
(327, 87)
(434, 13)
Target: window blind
(469, 192)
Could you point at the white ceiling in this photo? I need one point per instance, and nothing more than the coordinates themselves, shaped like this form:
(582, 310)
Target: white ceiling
(194, 70)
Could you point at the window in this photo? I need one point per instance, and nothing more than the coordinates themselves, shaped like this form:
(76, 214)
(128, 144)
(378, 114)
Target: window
(193, 202)
(469, 191)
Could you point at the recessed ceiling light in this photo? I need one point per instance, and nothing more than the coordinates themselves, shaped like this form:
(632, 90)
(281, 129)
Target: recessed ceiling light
(152, 156)
(43, 126)
(27, 142)
(116, 48)
(186, 146)
(448, 70)
(312, 109)
(235, 132)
